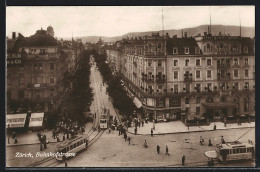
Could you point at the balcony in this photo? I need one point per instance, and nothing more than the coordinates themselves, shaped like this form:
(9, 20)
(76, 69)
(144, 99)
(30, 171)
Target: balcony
(187, 79)
(223, 66)
(224, 78)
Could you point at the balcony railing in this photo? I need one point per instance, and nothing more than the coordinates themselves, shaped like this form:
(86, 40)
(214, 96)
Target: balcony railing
(225, 66)
(224, 78)
(187, 79)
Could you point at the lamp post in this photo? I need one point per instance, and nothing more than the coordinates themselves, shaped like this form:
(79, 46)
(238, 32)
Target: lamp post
(8, 133)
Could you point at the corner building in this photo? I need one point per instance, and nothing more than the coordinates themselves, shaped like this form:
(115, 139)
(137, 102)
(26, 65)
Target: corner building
(202, 78)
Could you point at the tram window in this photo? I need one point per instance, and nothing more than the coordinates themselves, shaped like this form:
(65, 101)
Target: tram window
(230, 151)
(71, 147)
(244, 150)
(75, 145)
(84, 141)
(237, 150)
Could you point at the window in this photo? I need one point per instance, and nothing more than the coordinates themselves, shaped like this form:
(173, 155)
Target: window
(51, 66)
(21, 94)
(197, 100)
(197, 74)
(221, 45)
(246, 73)
(175, 62)
(35, 66)
(40, 66)
(42, 51)
(208, 73)
(186, 50)
(197, 110)
(246, 50)
(205, 48)
(236, 86)
(51, 80)
(209, 86)
(175, 50)
(247, 85)
(208, 62)
(51, 92)
(235, 61)
(197, 50)
(198, 89)
(149, 63)
(174, 102)
(187, 62)
(246, 61)
(187, 100)
(236, 73)
(245, 105)
(197, 62)
(21, 68)
(159, 63)
(175, 75)
(176, 88)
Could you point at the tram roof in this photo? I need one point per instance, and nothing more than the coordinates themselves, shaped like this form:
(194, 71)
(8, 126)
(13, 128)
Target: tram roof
(233, 145)
(70, 140)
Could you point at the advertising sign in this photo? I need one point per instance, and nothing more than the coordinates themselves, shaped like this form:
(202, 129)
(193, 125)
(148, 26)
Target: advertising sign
(15, 120)
(36, 119)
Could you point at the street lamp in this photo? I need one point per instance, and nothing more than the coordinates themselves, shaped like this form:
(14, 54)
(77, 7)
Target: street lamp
(8, 133)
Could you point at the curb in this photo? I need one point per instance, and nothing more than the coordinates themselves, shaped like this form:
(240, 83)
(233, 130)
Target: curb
(186, 131)
(23, 144)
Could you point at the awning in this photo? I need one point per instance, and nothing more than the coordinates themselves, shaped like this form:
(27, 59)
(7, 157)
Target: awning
(219, 105)
(36, 119)
(137, 102)
(211, 154)
(15, 120)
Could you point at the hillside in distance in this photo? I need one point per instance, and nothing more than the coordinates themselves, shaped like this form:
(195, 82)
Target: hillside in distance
(215, 29)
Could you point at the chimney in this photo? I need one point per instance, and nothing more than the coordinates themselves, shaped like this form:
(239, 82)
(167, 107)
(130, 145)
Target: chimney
(13, 35)
(182, 33)
(185, 34)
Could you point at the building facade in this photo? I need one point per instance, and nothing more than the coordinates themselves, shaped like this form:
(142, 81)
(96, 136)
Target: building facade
(189, 78)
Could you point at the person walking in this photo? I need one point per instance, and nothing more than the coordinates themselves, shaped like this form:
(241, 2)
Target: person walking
(129, 140)
(153, 125)
(222, 140)
(183, 160)
(145, 144)
(167, 151)
(210, 144)
(15, 140)
(66, 164)
(142, 123)
(63, 137)
(125, 137)
(158, 149)
(151, 132)
(41, 147)
(135, 130)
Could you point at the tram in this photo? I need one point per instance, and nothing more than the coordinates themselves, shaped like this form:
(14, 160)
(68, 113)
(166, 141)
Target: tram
(104, 119)
(71, 146)
(234, 151)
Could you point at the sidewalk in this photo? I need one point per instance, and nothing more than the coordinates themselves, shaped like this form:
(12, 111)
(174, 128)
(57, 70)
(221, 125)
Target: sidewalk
(29, 138)
(179, 127)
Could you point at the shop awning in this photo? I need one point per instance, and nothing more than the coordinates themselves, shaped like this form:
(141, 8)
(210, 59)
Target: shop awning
(219, 105)
(15, 120)
(36, 119)
(137, 102)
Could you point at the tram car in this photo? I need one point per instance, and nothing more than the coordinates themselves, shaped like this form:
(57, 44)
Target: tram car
(75, 145)
(104, 119)
(235, 151)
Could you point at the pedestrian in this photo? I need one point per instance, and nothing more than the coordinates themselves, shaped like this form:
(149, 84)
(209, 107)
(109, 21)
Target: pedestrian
(145, 144)
(222, 140)
(142, 123)
(129, 140)
(53, 133)
(151, 132)
(153, 125)
(135, 131)
(183, 160)
(41, 147)
(44, 144)
(167, 151)
(210, 144)
(125, 137)
(58, 139)
(67, 135)
(66, 164)
(201, 140)
(14, 135)
(15, 140)
(188, 126)
(158, 149)
(63, 137)
(215, 127)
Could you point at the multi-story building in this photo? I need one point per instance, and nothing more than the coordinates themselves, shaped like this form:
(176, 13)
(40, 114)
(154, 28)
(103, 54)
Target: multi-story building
(32, 73)
(206, 77)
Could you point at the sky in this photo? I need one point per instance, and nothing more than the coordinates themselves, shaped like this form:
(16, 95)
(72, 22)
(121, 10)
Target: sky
(116, 21)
